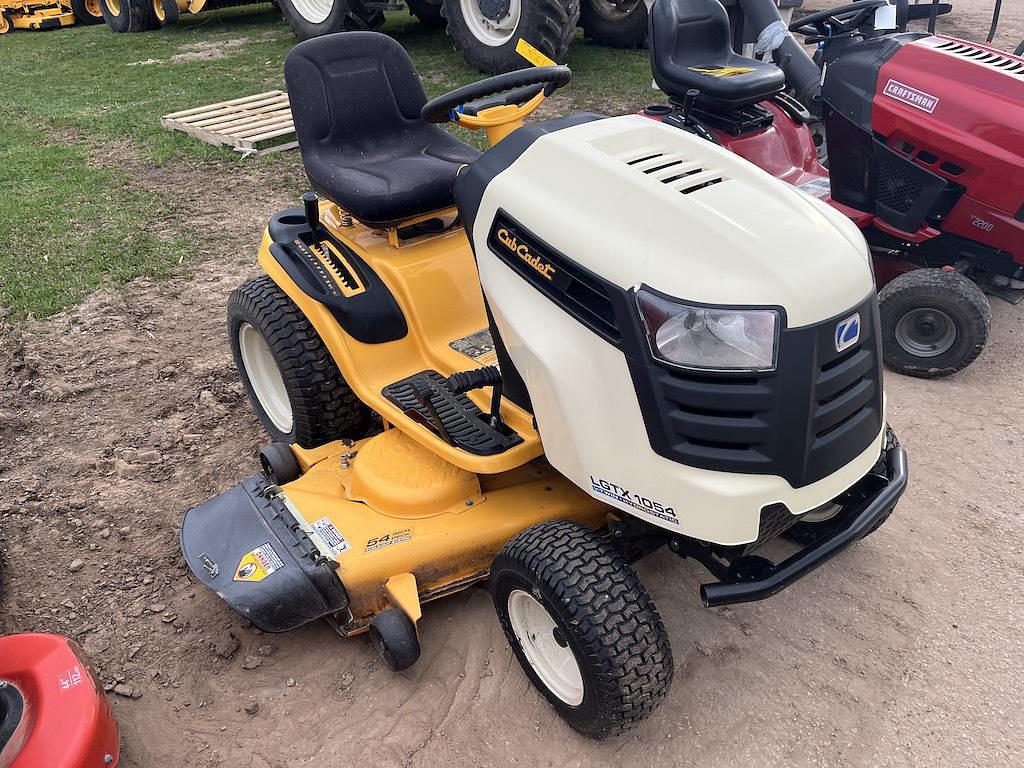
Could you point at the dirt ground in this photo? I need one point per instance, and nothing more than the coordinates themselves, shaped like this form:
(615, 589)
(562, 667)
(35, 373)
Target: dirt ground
(118, 415)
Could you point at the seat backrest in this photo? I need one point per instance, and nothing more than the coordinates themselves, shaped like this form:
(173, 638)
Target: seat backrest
(352, 92)
(686, 33)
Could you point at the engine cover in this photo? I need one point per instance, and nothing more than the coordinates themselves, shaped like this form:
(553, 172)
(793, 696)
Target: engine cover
(569, 218)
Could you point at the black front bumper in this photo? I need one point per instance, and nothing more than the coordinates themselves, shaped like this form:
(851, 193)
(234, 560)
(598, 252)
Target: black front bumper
(864, 516)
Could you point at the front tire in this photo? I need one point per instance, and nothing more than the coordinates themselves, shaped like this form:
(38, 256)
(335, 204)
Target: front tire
(288, 373)
(127, 15)
(583, 627)
(486, 31)
(615, 23)
(87, 11)
(934, 322)
(312, 18)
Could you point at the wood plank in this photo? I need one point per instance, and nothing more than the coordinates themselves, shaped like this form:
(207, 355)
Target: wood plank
(243, 100)
(245, 123)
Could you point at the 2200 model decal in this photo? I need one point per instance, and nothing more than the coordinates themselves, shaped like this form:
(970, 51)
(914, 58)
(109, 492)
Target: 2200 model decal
(635, 500)
(915, 98)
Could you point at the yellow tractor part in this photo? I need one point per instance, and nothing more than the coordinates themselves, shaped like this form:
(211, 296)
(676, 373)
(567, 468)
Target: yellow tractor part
(419, 527)
(33, 14)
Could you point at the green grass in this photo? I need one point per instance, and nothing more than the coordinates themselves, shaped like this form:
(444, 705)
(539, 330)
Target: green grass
(66, 224)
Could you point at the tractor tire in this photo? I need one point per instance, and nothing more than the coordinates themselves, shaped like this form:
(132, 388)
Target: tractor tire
(87, 11)
(126, 15)
(935, 322)
(427, 11)
(312, 18)
(5, 23)
(583, 627)
(165, 13)
(291, 379)
(617, 24)
(548, 25)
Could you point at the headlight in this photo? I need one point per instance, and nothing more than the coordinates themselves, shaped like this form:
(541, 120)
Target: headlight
(709, 338)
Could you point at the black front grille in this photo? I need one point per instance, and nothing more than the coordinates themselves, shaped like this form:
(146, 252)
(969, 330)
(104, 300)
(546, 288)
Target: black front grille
(816, 412)
(895, 188)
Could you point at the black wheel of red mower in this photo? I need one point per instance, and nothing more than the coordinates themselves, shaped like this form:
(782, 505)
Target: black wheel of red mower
(312, 18)
(278, 464)
(486, 32)
(583, 627)
(87, 11)
(127, 15)
(291, 379)
(935, 322)
(615, 23)
(394, 636)
(428, 12)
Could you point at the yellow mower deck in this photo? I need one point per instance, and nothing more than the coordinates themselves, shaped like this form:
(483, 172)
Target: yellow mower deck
(31, 14)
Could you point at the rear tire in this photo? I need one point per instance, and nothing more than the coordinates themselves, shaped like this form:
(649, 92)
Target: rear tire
(489, 44)
(621, 24)
(87, 11)
(126, 15)
(312, 18)
(427, 11)
(934, 322)
(291, 379)
(583, 627)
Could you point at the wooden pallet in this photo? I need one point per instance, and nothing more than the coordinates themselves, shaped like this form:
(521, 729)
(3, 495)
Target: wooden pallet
(250, 125)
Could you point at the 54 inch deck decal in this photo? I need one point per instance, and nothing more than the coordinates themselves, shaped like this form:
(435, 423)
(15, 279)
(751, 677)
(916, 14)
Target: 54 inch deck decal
(635, 500)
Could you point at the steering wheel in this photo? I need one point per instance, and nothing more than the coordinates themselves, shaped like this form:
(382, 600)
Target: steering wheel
(844, 20)
(521, 91)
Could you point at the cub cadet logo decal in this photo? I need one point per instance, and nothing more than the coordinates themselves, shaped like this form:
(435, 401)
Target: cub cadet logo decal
(848, 332)
(522, 250)
(634, 500)
(395, 537)
(915, 98)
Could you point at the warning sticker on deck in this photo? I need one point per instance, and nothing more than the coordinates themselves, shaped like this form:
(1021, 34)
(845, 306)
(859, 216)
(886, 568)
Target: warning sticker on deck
(258, 564)
(331, 536)
(819, 188)
(477, 346)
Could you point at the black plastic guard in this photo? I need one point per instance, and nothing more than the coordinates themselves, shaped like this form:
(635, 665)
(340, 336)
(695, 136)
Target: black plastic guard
(250, 550)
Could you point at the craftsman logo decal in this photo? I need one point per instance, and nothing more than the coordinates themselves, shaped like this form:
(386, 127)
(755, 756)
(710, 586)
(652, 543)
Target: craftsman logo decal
(258, 564)
(848, 332)
(395, 537)
(634, 500)
(522, 250)
(915, 98)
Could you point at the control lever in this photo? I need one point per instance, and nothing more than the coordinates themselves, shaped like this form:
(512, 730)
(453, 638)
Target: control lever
(311, 204)
(488, 376)
(688, 101)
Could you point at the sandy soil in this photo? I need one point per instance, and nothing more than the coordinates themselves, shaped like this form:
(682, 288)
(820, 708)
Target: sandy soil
(118, 415)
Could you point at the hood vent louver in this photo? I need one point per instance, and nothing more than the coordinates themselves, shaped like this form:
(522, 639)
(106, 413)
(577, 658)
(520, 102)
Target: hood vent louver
(672, 169)
(999, 61)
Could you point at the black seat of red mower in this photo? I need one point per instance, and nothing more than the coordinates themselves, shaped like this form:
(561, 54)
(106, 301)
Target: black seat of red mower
(356, 101)
(690, 48)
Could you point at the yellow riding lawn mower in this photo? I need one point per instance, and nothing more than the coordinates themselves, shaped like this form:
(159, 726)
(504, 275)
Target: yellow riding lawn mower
(33, 14)
(534, 366)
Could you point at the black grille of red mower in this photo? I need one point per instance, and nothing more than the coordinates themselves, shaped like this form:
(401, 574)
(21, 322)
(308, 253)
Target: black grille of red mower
(895, 188)
(811, 416)
(1009, 64)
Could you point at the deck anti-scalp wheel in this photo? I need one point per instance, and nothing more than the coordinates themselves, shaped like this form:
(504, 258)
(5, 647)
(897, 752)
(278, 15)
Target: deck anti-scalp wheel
(394, 636)
(582, 626)
(291, 379)
(279, 464)
(934, 322)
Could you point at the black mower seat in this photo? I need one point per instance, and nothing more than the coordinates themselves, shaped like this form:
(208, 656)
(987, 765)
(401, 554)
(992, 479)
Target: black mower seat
(690, 48)
(356, 101)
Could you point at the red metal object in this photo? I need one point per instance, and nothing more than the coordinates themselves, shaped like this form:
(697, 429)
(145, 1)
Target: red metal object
(972, 117)
(67, 722)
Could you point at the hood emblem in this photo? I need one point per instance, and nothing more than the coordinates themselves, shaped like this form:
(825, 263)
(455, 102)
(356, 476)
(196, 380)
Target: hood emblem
(848, 332)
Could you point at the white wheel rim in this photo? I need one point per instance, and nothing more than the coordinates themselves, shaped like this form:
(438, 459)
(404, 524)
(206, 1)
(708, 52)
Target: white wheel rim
(313, 11)
(554, 663)
(265, 377)
(488, 31)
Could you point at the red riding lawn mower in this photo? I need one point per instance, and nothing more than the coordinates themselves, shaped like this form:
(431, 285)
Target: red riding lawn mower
(918, 138)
